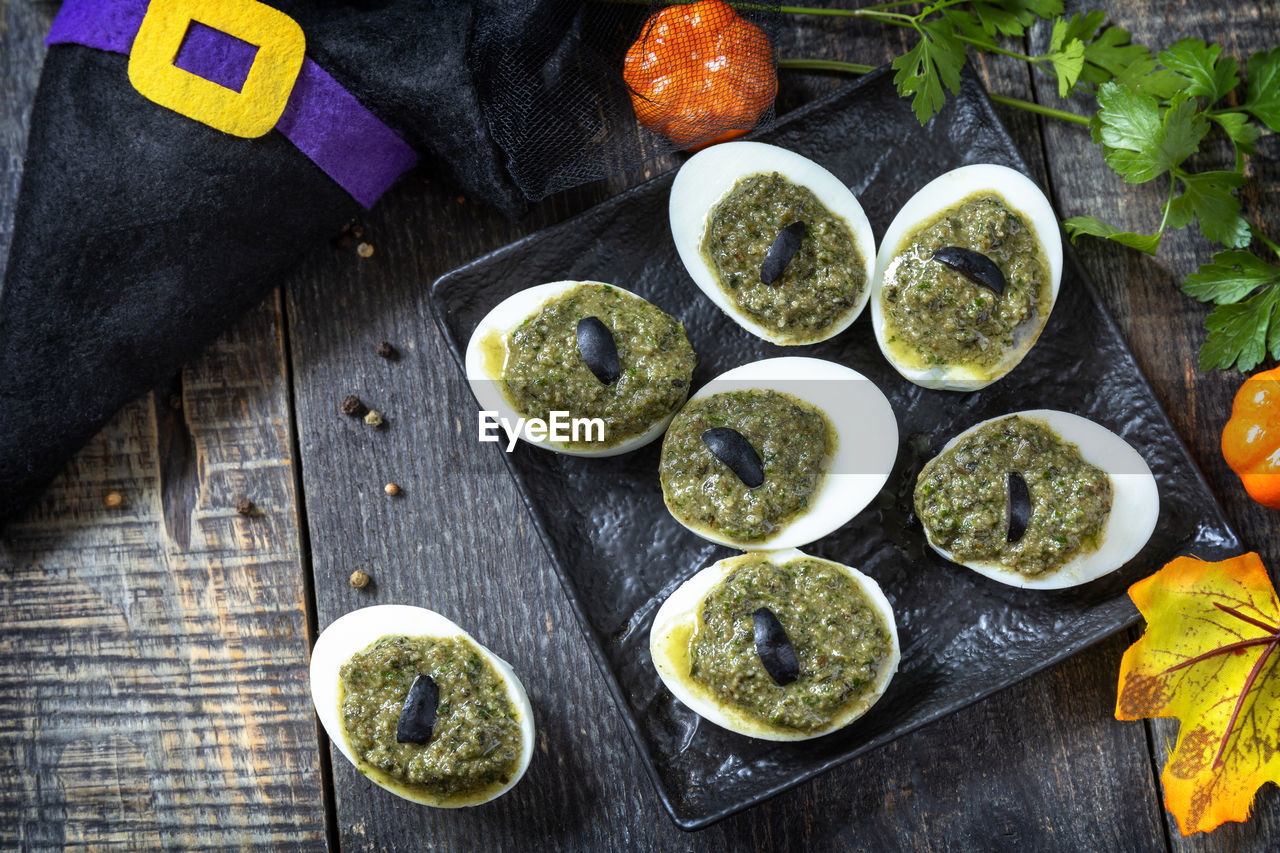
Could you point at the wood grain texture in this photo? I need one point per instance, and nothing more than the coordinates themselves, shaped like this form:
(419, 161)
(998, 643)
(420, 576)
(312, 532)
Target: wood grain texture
(1164, 327)
(152, 655)
(22, 29)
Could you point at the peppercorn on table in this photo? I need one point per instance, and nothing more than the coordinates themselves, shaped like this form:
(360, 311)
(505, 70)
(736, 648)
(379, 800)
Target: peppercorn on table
(161, 599)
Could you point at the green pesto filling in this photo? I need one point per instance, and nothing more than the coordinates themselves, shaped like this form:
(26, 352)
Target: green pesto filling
(961, 498)
(544, 371)
(934, 315)
(840, 639)
(476, 743)
(822, 283)
(793, 440)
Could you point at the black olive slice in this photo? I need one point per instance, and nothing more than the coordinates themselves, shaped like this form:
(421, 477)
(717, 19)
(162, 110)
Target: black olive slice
(780, 253)
(598, 350)
(975, 266)
(774, 647)
(732, 448)
(418, 715)
(1019, 506)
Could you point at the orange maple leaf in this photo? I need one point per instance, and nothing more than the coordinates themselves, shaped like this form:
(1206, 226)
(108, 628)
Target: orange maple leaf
(1208, 658)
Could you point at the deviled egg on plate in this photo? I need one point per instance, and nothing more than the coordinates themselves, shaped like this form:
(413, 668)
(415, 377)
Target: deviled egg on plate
(966, 276)
(776, 645)
(420, 707)
(590, 351)
(1040, 499)
(774, 240)
(777, 453)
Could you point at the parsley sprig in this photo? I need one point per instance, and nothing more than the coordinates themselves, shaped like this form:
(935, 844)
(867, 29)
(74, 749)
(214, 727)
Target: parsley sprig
(1154, 112)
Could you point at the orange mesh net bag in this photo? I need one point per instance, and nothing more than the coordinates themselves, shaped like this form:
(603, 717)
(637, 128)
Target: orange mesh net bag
(700, 73)
(564, 84)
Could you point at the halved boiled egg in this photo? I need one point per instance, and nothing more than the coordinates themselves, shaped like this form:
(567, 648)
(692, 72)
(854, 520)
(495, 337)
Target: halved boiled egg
(420, 707)
(774, 240)
(776, 645)
(966, 276)
(1041, 499)
(777, 453)
(580, 367)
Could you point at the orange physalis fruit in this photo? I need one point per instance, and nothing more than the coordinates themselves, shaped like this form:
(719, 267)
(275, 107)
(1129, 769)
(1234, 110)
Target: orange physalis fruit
(1251, 438)
(700, 74)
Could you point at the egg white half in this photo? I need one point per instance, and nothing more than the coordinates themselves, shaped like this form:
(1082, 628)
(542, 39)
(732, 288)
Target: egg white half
(708, 176)
(1135, 503)
(866, 441)
(356, 631)
(1021, 195)
(505, 317)
(678, 616)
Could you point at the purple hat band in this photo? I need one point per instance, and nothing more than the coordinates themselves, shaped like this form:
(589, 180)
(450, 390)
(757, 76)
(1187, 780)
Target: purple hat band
(322, 119)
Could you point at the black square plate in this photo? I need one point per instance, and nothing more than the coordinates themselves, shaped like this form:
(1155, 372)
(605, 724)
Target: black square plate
(619, 554)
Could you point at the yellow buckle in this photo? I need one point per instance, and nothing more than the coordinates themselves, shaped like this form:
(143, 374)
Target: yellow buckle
(253, 110)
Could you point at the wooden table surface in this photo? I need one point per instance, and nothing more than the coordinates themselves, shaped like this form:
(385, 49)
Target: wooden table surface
(153, 684)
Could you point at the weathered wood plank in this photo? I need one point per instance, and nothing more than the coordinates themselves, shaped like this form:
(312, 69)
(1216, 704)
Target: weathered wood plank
(153, 654)
(1040, 766)
(22, 27)
(1161, 324)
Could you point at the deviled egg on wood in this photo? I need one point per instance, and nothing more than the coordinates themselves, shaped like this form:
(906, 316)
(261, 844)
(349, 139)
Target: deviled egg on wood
(966, 276)
(1040, 499)
(777, 453)
(590, 349)
(776, 645)
(420, 707)
(774, 240)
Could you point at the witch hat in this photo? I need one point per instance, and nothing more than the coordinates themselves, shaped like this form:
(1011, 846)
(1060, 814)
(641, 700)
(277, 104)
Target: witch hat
(153, 211)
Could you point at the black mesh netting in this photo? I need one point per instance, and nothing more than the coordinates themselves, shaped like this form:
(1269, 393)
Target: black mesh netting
(561, 83)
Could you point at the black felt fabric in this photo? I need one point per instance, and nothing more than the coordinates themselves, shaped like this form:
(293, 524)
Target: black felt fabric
(412, 64)
(140, 234)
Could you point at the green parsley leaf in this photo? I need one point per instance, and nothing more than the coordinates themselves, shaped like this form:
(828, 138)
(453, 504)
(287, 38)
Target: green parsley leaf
(1095, 227)
(1201, 65)
(1231, 276)
(1083, 26)
(1273, 339)
(1207, 198)
(1184, 127)
(1112, 51)
(934, 62)
(1262, 97)
(991, 20)
(1111, 56)
(1066, 56)
(1141, 141)
(1238, 332)
(1242, 132)
(1012, 17)
(1143, 76)
(968, 25)
(1126, 119)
